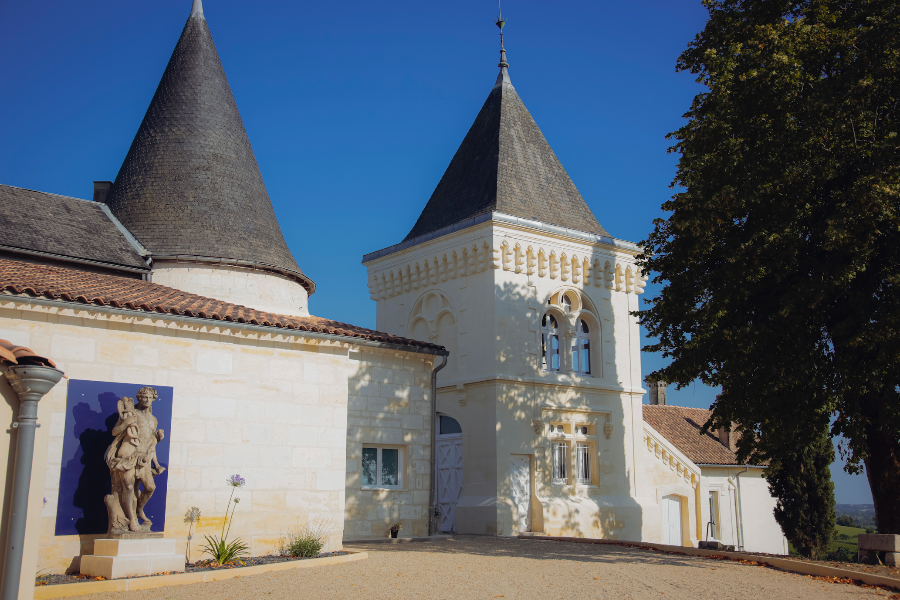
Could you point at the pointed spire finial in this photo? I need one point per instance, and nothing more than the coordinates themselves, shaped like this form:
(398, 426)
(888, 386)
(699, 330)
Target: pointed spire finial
(197, 9)
(503, 77)
(501, 23)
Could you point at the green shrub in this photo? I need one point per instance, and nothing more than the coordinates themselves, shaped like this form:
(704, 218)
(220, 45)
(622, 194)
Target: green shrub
(842, 554)
(306, 541)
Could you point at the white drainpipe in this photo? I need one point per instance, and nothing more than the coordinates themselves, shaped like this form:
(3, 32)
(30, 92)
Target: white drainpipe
(740, 513)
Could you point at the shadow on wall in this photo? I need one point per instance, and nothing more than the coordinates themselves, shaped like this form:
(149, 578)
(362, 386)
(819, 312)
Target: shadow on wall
(84, 477)
(516, 350)
(388, 406)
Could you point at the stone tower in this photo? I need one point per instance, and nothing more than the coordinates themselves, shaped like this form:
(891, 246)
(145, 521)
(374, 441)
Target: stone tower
(191, 191)
(509, 269)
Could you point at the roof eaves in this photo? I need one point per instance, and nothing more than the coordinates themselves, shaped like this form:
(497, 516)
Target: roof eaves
(72, 259)
(439, 351)
(503, 218)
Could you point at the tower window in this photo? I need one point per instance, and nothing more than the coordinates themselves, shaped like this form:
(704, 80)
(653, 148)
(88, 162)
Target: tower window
(581, 349)
(549, 343)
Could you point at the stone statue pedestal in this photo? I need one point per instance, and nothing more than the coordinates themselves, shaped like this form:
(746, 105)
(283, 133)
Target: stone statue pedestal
(133, 556)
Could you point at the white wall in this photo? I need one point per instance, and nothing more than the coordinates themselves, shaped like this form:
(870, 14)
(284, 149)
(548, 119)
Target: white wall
(271, 407)
(492, 282)
(265, 291)
(761, 533)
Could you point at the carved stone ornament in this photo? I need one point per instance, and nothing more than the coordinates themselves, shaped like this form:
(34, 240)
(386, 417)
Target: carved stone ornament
(607, 430)
(538, 425)
(131, 459)
(461, 394)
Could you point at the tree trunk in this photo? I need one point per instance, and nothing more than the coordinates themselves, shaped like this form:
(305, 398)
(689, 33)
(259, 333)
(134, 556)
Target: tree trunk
(883, 471)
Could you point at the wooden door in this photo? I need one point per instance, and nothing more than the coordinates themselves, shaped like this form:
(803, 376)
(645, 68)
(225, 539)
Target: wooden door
(449, 484)
(520, 489)
(671, 508)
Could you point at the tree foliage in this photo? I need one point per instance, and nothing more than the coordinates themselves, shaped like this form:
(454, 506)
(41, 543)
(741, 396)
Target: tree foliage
(781, 256)
(801, 483)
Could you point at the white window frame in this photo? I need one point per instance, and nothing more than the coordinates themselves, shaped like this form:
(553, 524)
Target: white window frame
(560, 460)
(714, 514)
(379, 485)
(577, 340)
(548, 333)
(583, 466)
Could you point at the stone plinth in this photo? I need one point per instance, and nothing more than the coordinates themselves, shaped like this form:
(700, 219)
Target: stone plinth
(872, 543)
(116, 558)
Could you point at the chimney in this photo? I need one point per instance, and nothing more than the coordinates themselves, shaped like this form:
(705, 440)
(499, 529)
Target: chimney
(728, 437)
(101, 190)
(657, 391)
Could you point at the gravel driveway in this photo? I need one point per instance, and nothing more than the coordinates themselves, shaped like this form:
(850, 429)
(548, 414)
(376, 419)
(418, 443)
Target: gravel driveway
(470, 568)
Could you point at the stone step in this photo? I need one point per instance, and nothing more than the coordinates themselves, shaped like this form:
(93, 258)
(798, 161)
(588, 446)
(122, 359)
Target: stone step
(141, 547)
(116, 567)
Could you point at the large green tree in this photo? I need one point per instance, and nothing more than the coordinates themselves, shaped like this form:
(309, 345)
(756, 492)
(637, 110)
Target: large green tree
(780, 257)
(801, 482)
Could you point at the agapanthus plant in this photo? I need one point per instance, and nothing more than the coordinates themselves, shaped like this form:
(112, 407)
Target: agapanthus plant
(218, 547)
(190, 517)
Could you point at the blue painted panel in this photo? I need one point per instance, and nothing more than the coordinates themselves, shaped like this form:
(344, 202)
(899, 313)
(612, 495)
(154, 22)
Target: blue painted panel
(84, 478)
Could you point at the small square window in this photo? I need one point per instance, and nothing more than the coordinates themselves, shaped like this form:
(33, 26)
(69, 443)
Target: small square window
(382, 468)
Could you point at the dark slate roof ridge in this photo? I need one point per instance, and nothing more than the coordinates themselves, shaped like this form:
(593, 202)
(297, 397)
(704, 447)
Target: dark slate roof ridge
(190, 183)
(16, 187)
(505, 164)
(87, 233)
(70, 285)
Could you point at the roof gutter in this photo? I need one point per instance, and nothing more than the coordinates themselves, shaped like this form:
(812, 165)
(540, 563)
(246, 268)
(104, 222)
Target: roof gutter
(730, 466)
(127, 312)
(72, 259)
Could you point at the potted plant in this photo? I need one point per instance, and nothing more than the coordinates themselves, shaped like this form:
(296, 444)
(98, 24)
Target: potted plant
(395, 528)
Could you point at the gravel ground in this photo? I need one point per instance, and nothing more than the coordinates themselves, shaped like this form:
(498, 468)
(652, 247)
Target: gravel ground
(203, 565)
(469, 568)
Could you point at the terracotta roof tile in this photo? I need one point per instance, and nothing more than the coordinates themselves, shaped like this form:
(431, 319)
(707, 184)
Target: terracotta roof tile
(21, 355)
(71, 285)
(681, 426)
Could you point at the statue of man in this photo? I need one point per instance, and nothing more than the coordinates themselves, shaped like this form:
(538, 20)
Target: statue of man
(131, 459)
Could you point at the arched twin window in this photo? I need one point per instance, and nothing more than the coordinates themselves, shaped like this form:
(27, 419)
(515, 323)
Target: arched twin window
(550, 343)
(572, 351)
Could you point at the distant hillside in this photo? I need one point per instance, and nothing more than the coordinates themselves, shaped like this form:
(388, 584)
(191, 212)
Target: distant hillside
(863, 514)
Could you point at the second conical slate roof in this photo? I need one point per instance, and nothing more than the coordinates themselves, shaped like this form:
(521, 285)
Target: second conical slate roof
(190, 184)
(505, 165)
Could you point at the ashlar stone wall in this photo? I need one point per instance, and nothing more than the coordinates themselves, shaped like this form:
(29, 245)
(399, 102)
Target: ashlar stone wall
(388, 406)
(269, 406)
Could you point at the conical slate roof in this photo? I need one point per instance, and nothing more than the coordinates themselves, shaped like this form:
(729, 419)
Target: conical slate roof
(505, 165)
(190, 185)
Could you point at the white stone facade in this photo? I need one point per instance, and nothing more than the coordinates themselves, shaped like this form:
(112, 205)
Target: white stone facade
(482, 292)
(389, 407)
(262, 290)
(268, 404)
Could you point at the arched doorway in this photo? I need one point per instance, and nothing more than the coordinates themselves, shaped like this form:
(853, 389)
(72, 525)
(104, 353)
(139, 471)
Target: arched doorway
(449, 470)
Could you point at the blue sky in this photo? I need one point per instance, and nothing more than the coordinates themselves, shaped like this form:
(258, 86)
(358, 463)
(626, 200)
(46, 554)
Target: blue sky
(354, 110)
